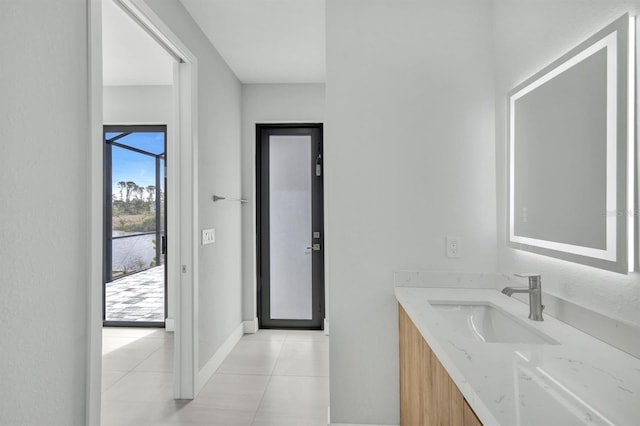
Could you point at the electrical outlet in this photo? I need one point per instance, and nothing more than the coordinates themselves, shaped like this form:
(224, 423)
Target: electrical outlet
(208, 236)
(453, 247)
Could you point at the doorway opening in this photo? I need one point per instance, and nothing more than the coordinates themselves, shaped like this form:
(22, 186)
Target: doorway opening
(290, 226)
(135, 284)
(181, 216)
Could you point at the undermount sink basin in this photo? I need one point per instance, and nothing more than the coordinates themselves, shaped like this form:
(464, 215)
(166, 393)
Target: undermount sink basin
(488, 323)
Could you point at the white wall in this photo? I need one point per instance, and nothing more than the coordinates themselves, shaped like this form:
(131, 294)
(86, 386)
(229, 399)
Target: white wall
(409, 158)
(219, 288)
(267, 103)
(138, 105)
(528, 35)
(44, 211)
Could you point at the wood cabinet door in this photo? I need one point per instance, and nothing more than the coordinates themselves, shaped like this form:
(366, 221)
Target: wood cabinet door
(428, 396)
(410, 377)
(469, 417)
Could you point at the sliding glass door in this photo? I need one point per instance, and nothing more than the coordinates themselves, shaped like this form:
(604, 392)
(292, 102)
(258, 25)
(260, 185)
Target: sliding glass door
(134, 265)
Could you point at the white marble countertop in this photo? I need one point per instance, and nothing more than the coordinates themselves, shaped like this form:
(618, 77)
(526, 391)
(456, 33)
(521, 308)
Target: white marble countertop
(579, 381)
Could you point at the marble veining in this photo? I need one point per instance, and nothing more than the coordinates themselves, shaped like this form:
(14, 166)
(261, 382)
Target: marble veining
(463, 350)
(579, 381)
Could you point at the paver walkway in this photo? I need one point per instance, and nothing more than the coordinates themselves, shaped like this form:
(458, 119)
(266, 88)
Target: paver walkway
(136, 297)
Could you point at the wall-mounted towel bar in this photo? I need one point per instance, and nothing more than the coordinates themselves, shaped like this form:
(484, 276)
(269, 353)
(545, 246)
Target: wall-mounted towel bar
(220, 198)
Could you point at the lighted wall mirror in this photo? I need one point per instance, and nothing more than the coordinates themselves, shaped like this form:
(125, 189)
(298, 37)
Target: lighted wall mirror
(571, 154)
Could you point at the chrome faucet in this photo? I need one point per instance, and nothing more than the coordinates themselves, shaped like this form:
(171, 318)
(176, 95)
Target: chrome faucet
(535, 295)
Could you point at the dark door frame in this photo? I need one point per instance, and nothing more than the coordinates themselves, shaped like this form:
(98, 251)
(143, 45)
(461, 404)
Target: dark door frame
(161, 246)
(263, 132)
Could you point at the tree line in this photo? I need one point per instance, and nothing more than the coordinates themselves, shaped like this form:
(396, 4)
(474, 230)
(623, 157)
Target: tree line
(134, 199)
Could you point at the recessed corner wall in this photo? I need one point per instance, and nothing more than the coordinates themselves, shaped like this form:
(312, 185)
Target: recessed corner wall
(267, 103)
(409, 150)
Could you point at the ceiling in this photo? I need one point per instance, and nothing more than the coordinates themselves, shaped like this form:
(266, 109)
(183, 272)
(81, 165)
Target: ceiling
(266, 41)
(129, 55)
(262, 41)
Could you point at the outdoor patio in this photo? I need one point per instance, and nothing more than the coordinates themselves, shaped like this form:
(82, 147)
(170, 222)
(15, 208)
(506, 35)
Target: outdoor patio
(136, 297)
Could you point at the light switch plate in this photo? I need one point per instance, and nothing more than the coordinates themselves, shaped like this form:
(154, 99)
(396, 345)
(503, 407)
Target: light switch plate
(208, 236)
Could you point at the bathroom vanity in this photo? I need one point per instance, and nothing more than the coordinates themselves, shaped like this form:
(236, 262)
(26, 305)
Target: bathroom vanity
(470, 356)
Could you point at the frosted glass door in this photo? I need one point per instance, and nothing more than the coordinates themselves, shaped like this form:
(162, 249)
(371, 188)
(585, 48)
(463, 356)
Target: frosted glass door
(290, 224)
(289, 206)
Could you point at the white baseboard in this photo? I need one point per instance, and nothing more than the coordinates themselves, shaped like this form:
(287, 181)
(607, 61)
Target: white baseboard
(212, 365)
(170, 324)
(326, 327)
(250, 327)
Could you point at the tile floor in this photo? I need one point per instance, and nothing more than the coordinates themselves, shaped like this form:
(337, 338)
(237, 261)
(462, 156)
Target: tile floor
(136, 297)
(270, 378)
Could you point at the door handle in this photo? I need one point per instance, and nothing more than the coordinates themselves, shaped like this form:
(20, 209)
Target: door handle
(315, 247)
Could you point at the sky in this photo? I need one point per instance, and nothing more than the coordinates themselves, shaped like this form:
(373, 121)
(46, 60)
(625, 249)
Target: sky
(129, 165)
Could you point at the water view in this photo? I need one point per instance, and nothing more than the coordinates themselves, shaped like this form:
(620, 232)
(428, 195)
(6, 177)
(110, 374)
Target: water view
(133, 253)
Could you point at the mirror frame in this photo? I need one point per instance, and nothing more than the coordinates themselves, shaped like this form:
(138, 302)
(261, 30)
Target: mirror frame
(618, 41)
